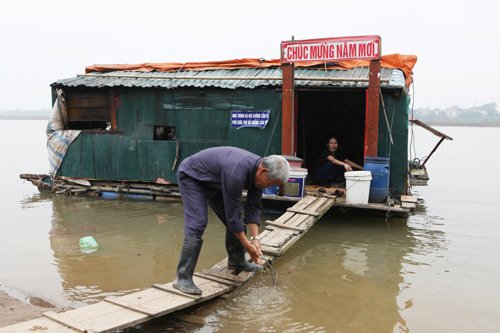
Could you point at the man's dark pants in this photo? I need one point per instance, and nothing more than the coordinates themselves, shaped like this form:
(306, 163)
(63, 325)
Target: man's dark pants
(195, 196)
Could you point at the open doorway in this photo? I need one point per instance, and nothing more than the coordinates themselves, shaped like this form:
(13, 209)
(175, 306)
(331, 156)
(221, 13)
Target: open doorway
(326, 113)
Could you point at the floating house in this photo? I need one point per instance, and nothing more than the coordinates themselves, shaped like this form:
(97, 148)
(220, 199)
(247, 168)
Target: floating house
(137, 122)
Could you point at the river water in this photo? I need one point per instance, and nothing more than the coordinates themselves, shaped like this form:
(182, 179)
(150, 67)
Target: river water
(432, 272)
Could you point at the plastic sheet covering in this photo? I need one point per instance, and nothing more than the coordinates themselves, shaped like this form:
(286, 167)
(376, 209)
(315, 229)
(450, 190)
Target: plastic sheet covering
(59, 137)
(400, 61)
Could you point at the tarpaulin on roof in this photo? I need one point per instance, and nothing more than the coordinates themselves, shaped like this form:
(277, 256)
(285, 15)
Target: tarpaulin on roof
(186, 66)
(400, 61)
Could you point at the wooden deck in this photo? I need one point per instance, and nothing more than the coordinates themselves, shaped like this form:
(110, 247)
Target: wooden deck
(115, 313)
(160, 191)
(406, 204)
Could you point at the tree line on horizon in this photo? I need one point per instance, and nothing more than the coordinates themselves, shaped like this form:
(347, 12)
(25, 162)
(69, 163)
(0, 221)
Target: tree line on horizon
(482, 115)
(36, 114)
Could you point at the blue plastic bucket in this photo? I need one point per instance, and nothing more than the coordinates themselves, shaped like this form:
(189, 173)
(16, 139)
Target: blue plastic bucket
(271, 190)
(380, 169)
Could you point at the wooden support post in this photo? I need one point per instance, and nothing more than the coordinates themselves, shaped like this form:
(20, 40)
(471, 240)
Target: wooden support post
(114, 102)
(287, 110)
(372, 109)
(433, 150)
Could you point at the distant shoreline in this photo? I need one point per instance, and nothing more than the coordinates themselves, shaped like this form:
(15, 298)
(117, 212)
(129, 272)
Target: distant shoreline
(24, 118)
(462, 125)
(37, 114)
(485, 115)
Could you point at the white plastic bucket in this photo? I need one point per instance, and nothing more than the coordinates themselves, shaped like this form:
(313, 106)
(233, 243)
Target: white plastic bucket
(294, 187)
(358, 187)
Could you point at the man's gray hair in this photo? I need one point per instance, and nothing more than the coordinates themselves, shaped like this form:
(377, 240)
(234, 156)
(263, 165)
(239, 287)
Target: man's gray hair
(278, 167)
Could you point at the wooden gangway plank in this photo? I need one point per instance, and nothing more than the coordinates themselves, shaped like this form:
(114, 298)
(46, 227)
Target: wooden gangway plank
(300, 205)
(285, 226)
(217, 279)
(98, 317)
(409, 198)
(283, 233)
(302, 211)
(277, 237)
(116, 313)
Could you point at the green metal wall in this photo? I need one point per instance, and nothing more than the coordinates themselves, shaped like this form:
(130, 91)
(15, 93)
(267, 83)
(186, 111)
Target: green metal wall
(202, 118)
(397, 114)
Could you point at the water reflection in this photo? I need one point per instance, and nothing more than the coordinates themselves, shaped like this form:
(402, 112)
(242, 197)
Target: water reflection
(138, 245)
(32, 201)
(352, 273)
(345, 275)
(438, 271)
(348, 274)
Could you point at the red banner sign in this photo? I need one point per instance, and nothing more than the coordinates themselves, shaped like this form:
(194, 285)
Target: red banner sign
(331, 49)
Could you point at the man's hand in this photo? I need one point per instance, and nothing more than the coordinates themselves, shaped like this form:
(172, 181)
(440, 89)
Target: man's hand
(256, 242)
(255, 253)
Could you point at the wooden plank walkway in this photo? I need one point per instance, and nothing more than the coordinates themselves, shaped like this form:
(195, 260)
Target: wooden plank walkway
(115, 313)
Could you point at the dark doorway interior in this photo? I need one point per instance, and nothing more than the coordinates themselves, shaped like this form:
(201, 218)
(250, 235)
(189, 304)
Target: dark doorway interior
(322, 114)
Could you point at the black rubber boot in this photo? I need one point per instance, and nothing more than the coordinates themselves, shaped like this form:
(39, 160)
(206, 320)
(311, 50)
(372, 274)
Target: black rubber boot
(236, 254)
(187, 262)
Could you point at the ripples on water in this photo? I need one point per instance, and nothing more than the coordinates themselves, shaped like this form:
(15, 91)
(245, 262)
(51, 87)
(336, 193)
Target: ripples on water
(431, 272)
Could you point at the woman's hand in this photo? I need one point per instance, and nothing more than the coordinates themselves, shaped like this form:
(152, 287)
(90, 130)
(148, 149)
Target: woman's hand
(347, 167)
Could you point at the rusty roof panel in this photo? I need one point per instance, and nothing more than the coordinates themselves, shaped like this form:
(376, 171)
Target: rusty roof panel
(235, 78)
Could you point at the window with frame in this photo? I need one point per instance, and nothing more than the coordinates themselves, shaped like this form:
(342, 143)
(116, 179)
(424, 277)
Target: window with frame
(164, 133)
(89, 110)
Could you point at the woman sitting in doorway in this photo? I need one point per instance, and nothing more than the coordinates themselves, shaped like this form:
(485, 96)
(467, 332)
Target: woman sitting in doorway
(331, 165)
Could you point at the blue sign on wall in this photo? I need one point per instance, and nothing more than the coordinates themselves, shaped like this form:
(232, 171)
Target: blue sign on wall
(257, 119)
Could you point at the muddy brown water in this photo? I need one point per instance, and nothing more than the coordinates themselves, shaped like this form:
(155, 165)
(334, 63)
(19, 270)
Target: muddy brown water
(434, 271)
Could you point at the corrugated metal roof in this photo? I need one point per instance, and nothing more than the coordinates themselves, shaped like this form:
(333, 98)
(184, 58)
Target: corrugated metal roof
(235, 78)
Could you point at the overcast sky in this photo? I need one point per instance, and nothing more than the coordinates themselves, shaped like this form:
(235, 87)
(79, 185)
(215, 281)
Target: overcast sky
(457, 42)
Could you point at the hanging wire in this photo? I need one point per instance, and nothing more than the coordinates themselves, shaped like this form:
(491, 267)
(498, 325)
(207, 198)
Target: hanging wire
(228, 128)
(412, 138)
(391, 125)
(177, 136)
(272, 133)
(387, 214)
(272, 270)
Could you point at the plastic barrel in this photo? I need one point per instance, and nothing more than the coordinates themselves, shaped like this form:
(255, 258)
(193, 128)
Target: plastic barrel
(115, 195)
(380, 169)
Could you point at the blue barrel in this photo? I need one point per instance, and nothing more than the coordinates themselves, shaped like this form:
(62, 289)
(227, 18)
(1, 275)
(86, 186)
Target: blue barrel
(116, 195)
(380, 169)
